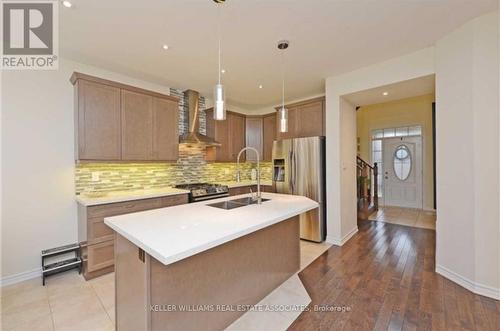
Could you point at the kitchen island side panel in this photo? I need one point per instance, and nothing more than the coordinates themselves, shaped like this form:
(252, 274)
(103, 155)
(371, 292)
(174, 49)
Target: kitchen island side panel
(240, 272)
(131, 286)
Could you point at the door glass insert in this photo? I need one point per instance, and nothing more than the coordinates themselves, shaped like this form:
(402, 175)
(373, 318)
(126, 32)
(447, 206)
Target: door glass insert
(402, 162)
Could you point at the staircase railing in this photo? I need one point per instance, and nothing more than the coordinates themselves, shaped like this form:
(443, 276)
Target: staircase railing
(367, 177)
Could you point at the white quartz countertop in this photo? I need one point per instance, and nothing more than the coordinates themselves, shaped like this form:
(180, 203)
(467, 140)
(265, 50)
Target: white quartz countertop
(175, 233)
(120, 196)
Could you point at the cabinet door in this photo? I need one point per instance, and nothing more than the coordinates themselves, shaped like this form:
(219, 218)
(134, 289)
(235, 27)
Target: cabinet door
(100, 255)
(292, 123)
(236, 136)
(137, 126)
(310, 119)
(165, 130)
(222, 136)
(254, 137)
(99, 129)
(269, 135)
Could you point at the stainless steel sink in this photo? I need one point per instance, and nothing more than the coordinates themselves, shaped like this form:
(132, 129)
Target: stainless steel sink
(236, 203)
(247, 201)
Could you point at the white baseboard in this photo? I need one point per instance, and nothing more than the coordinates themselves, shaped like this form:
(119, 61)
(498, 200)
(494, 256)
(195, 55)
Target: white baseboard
(474, 287)
(343, 240)
(17, 278)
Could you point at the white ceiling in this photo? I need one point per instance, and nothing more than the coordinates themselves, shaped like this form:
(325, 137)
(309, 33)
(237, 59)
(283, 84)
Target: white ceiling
(401, 90)
(327, 37)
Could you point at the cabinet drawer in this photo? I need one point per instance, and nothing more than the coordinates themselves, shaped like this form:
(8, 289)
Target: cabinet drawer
(121, 208)
(100, 255)
(174, 200)
(98, 231)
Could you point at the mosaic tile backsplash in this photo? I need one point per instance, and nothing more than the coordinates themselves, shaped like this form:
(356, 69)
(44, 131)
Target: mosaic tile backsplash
(190, 168)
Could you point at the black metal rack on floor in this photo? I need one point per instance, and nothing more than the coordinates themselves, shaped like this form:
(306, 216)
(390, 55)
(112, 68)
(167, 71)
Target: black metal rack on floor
(64, 265)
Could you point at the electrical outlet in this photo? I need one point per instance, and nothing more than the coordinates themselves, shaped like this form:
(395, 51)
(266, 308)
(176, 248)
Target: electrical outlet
(95, 176)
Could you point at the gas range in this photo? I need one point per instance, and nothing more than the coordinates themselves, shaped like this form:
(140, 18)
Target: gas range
(204, 191)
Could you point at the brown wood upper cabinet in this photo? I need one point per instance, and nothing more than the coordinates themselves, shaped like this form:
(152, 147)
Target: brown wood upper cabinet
(254, 137)
(115, 121)
(269, 135)
(260, 134)
(97, 120)
(305, 119)
(137, 126)
(230, 133)
(165, 129)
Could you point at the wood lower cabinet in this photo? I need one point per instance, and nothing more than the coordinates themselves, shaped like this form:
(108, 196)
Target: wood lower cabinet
(97, 239)
(305, 119)
(246, 189)
(115, 121)
(100, 256)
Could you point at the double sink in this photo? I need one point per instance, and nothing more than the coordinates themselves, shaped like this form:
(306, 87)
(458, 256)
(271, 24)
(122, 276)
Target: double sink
(236, 203)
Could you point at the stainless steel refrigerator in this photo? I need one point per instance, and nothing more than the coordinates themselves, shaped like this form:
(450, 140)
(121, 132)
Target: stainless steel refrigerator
(299, 169)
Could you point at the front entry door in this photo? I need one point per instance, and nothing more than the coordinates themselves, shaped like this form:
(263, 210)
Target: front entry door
(403, 172)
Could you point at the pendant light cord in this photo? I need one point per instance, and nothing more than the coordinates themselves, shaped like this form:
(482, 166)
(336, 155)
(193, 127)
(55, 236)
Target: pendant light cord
(282, 79)
(219, 34)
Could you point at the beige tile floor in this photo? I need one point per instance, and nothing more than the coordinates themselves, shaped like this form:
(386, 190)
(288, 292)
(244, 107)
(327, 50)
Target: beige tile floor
(68, 302)
(405, 216)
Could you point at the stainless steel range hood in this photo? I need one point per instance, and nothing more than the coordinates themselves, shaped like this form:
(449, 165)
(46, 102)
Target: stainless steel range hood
(193, 136)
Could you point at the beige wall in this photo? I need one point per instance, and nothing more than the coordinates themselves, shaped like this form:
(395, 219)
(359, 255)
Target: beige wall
(405, 112)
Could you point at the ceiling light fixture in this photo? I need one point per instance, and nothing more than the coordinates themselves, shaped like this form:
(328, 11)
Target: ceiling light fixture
(283, 112)
(67, 4)
(260, 86)
(219, 94)
(165, 47)
(223, 71)
(385, 94)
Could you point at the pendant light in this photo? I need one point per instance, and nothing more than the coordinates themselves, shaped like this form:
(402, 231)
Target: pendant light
(283, 112)
(219, 95)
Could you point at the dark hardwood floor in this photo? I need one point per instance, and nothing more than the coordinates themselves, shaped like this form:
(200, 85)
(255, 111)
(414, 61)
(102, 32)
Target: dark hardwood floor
(384, 279)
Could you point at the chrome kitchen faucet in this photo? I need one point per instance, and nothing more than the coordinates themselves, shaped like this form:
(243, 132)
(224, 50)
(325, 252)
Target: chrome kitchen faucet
(238, 174)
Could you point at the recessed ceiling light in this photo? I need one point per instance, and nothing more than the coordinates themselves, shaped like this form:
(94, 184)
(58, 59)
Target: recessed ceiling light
(223, 71)
(67, 4)
(385, 94)
(165, 47)
(260, 86)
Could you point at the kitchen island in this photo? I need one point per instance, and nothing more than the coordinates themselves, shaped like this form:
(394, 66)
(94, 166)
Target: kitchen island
(197, 266)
